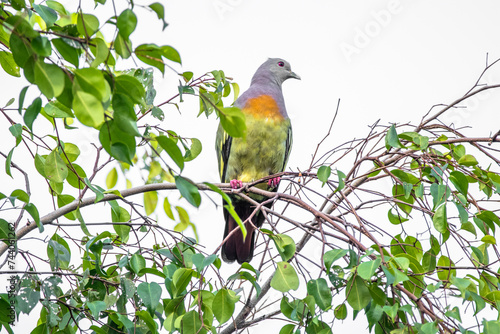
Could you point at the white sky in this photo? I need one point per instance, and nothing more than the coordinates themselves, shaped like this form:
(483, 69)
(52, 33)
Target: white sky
(389, 60)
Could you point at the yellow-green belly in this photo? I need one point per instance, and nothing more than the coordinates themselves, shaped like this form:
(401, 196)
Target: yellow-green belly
(263, 151)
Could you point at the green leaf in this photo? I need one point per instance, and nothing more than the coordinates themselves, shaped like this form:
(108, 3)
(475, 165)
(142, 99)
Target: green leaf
(20, 195)
(49, 78)
(71, 152)
(489, 218)
(17, 131)
(171, 54)
(148, 319)
(193, 151)
(340, 312)
(41, 45)
(137, 263)
(391, 139)
(168, 208)
(405, 177)
(120, 145)
(489, 239)
(33, 211)
(91, 81)
(32, 113)
(63, 200)
(8, 64)
(318, 327)
(9, 102)
(100, 51)
(57, 7)
(439, 193)
(8, 162)
(76, 179)
(184, 217)
(188, 190)
(96, 308)
(112, 178)
(181, 279)
(367, 269)
(88, 109)
(126, 23)
(285, 245)
(56, 109)
(150, 54)
(157, 113)
(150, 293)
(123, 231)
(341, 176)
(233, 121)
(398, 192)
(422, 141)
(58, 252)
(285, 278)
(467, 160)
(6, 230)
(55, 168)
(491, 327)
(201, 262)
(396, 219)
(87, 24)
(333, 255)
(22, 95)
(131, 87)
(4, 37)
(123, 47)
(223, 305)
(191, 323)
(454, 313)
(47, 14)
(460, 182)
(172, 150)
(402, 262)
(150, 202)
(324, 173)
(445, 274)
(357, 294)
(429, 261)
(391, 311)
(287, 329)
(124, 114)
(440, 219)
(321, 292)
(27, 299)
(21, 49)
(160, 12)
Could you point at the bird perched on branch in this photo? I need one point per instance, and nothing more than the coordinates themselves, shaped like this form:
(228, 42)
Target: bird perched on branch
(263, 152)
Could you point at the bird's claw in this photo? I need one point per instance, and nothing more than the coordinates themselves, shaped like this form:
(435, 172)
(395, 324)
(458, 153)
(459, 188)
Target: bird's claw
(274, 182)
(236, 184)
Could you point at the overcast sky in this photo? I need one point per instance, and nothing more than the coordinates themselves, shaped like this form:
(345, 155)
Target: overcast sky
(388, 60)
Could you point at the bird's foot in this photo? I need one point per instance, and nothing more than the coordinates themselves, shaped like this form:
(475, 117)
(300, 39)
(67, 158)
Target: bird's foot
(274, 182)
(236, 184)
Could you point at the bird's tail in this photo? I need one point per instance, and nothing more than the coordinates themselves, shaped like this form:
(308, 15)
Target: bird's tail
(235, 248)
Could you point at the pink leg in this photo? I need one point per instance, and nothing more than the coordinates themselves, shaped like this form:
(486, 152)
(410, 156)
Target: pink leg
(274, 182)
(236, 184)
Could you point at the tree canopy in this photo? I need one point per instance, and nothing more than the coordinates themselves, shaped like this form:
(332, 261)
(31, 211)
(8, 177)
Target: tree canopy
(405, 238)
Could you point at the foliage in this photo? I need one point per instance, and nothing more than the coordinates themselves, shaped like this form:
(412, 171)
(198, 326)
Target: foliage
(437, 187)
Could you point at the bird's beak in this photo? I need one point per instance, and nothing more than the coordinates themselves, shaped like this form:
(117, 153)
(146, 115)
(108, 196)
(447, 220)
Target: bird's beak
(293, 75)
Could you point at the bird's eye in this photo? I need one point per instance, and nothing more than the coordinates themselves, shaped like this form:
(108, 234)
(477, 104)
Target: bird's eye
(281, 64)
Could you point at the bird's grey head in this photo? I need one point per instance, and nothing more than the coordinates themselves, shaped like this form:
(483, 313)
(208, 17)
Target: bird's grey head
(274, 69)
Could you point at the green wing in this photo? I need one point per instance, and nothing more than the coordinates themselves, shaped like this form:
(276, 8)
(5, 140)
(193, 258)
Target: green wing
(288, 147)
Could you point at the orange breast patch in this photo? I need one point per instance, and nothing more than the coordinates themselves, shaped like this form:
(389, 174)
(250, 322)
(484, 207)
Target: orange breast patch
(263, 106)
